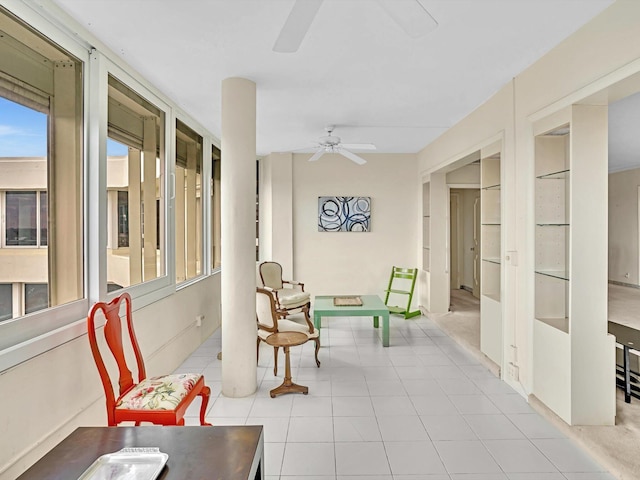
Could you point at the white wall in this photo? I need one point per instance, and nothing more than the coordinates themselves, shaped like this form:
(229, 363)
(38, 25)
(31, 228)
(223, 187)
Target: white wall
(47, 397)
(623, 226)
(356, 263)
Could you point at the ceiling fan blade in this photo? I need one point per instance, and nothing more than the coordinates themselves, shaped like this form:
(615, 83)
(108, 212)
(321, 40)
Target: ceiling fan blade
(352, 156)
(317, 155)
(296, 26)
(410, 15)
(359, 146)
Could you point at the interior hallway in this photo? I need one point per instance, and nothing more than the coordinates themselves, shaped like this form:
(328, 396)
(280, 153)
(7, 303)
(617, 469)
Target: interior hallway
(422, 409)
(614, 447)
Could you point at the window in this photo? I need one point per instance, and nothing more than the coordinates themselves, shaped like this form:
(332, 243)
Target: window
(216, 253)
(188, 203)
(36, 297)
(26, 218)
(40, 174)
(123, 219)
(6, 301)
(135, 188)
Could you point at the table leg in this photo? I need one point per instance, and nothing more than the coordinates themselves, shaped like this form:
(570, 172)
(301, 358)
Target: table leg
(288, 386)
(375, 322)
(317, 320)
(627, 375)
(385, 329)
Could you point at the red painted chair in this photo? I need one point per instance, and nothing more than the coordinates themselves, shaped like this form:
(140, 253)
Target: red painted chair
(160, 400)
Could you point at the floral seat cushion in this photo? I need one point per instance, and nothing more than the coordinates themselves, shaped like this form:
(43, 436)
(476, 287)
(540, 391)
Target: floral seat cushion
(159, 393)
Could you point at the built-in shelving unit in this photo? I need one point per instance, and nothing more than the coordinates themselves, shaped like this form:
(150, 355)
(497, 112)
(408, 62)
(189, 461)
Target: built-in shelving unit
(425, 274)
(426, 228)
(552, 230)
(491, 253)
(573, 356)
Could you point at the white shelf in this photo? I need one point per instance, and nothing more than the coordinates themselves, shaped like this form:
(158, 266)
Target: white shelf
(559, 175)
(559, 274)
(492, 260)
(560, 323)
(495, 298)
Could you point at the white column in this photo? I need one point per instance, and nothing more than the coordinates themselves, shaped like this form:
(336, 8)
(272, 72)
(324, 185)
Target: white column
(239, 329)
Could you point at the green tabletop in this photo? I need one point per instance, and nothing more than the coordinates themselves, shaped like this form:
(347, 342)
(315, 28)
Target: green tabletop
(372, 306)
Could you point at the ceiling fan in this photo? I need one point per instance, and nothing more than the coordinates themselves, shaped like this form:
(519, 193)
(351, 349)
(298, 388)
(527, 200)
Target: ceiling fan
(333, 144)
(410, 15)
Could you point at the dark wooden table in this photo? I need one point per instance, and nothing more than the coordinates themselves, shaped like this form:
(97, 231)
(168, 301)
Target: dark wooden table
(629, 338)
(195, 453)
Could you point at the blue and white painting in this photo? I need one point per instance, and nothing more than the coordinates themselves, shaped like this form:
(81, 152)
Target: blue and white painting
(344, 214)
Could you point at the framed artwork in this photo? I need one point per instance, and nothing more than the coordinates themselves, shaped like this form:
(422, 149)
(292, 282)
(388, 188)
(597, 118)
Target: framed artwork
(344, 214)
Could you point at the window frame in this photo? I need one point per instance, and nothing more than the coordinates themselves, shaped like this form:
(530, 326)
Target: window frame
(24, 337)
(205, 193)
(150, 291)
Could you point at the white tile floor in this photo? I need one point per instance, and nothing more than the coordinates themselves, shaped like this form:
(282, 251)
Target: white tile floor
(422, 409)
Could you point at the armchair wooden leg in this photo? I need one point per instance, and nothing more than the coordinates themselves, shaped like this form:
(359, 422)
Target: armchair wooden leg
(204, 393)
(258, 351)
(317, 340)
(275, 361)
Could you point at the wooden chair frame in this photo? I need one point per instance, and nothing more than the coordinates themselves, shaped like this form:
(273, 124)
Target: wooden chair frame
(276, 315)
(113, 336)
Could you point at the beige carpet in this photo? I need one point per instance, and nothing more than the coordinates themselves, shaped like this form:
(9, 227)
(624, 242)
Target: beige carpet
(617, 448)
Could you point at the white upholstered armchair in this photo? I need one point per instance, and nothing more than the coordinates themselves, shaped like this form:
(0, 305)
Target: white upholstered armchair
(289, 295)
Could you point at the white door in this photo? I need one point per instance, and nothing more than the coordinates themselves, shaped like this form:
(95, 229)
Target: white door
(476, 247)
(454, 215)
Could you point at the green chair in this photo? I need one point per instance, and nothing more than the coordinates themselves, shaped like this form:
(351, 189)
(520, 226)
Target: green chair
(401, 283)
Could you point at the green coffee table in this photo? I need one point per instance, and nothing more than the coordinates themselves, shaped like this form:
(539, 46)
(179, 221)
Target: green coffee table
(371, 306)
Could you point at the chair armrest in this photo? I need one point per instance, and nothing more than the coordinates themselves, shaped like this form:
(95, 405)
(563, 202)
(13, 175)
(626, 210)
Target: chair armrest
(273, 292)
(294, 283)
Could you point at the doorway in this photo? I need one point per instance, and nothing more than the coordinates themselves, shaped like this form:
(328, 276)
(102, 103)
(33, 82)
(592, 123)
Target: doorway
(464, 204)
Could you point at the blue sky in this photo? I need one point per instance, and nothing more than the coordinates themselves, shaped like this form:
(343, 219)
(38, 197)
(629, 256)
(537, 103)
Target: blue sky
(23, 132)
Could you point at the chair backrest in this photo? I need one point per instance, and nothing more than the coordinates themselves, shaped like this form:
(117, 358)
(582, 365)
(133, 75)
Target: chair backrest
(113, 335)
(271, 275)
(403, 278)
(266, 315)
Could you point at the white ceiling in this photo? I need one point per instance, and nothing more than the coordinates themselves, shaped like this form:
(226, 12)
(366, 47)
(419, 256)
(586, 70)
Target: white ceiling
(356, 67)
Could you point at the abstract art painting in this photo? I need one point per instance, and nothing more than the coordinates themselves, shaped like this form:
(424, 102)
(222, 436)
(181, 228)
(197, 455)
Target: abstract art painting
(344, 214)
